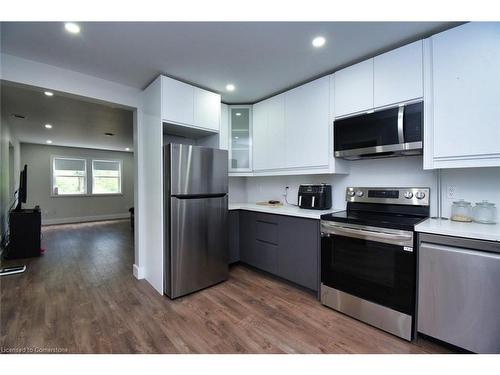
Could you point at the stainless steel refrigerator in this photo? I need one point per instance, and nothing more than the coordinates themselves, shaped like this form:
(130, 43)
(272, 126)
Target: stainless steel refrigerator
(196, 218)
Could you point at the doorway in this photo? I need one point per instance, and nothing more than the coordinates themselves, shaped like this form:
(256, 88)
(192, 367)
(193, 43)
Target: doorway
(12, 178)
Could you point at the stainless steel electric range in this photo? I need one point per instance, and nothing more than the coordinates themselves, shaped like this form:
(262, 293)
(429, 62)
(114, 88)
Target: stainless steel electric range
(368, 256)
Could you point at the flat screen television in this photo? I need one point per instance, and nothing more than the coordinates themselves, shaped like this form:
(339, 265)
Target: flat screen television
(23, 188)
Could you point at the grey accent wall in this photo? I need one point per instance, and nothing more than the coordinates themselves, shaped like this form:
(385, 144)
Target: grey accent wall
(73, 209)
(9, 171)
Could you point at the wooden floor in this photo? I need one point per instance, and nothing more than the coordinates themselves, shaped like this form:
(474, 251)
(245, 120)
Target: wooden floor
(81, 297)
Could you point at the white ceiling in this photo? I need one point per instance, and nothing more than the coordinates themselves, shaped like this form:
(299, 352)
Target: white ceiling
(260, 58)
(76, 123)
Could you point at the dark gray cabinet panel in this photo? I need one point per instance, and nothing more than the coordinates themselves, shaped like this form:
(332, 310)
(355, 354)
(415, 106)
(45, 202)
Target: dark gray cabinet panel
(266, 230)
(257, 235)
(247, 237)
(282, 245)
(299, 251)
(234, 236)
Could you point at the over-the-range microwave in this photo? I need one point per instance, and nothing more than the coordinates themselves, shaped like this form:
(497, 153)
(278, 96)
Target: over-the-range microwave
(389, 132)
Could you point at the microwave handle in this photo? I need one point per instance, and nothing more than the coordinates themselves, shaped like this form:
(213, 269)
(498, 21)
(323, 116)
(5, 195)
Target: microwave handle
(401, 132)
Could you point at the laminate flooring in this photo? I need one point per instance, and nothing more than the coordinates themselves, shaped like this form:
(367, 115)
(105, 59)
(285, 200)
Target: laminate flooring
(81, 297)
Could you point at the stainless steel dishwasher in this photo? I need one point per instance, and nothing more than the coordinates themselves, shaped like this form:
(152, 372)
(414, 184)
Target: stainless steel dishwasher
(459, 292)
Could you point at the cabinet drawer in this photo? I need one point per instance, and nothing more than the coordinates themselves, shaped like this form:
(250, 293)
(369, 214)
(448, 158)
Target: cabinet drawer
(266, 256)
(267, 231)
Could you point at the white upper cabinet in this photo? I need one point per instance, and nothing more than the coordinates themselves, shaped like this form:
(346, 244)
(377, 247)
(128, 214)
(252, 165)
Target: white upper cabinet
(462, 127)
(240, 135)
(206, 109)
(387, 79)
(276, 131)
(177, 101)
(354, 89)
(292, 132)
(269, 134)
(190, 106)
(307, 126)
(260, 140)
(398, 75)
(224, 127)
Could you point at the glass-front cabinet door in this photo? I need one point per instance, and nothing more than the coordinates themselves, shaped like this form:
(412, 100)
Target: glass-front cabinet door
(240, 142)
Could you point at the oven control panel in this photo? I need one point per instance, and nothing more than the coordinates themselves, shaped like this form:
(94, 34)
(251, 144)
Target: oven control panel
(407, 196)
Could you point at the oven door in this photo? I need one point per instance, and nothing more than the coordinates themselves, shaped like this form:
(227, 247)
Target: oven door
(374, 264)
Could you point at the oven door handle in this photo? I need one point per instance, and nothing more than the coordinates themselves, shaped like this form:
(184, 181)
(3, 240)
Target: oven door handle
(390, 238)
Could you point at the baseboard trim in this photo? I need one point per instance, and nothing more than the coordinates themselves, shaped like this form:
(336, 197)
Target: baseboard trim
(138, 272)
(84, 219)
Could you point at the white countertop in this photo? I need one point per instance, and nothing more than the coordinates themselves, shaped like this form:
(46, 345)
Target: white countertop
(488, 232)
(282, 210)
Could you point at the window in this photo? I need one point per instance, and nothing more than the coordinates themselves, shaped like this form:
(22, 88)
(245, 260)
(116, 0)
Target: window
(69, 176)
(106, 177)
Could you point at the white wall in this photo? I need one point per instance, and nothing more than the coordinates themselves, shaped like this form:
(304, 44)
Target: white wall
(237, 190)
(6, 198)
(61, 209)
(151, 133)
(473, 184)
(377, 172)
(37, 74)
(29, 72)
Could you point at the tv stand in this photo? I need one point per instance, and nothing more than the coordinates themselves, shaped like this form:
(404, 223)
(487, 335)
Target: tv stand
(24, 233)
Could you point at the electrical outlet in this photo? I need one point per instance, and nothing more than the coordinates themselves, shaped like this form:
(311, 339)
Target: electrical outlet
(452, 192)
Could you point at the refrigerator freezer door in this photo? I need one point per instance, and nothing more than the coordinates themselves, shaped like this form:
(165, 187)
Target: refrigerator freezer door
(197, 170)
(199, 251)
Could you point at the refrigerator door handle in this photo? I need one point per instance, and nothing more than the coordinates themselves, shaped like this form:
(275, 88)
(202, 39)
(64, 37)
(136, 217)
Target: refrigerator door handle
(198, 196)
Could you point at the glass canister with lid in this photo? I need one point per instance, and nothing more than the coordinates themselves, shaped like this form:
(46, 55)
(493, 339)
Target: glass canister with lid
(485, 212)
(461, 211)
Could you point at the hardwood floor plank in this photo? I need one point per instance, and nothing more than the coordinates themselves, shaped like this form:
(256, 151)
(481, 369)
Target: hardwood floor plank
(81, 296)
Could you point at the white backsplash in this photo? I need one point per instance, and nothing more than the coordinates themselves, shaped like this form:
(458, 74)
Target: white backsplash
(472, 184)
(237, 190)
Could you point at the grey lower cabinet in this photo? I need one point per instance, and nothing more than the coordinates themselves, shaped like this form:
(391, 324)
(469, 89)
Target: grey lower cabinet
(234, 236)
(285, 246)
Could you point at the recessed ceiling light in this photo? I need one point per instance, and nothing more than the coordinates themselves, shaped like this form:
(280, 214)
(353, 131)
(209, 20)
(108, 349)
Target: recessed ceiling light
(49, 93)
(127, 149)
(48, 126)
(48, 141)
(230, 87)
(72, 28)
(236, 137)
(319, 41)
(238, 113)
